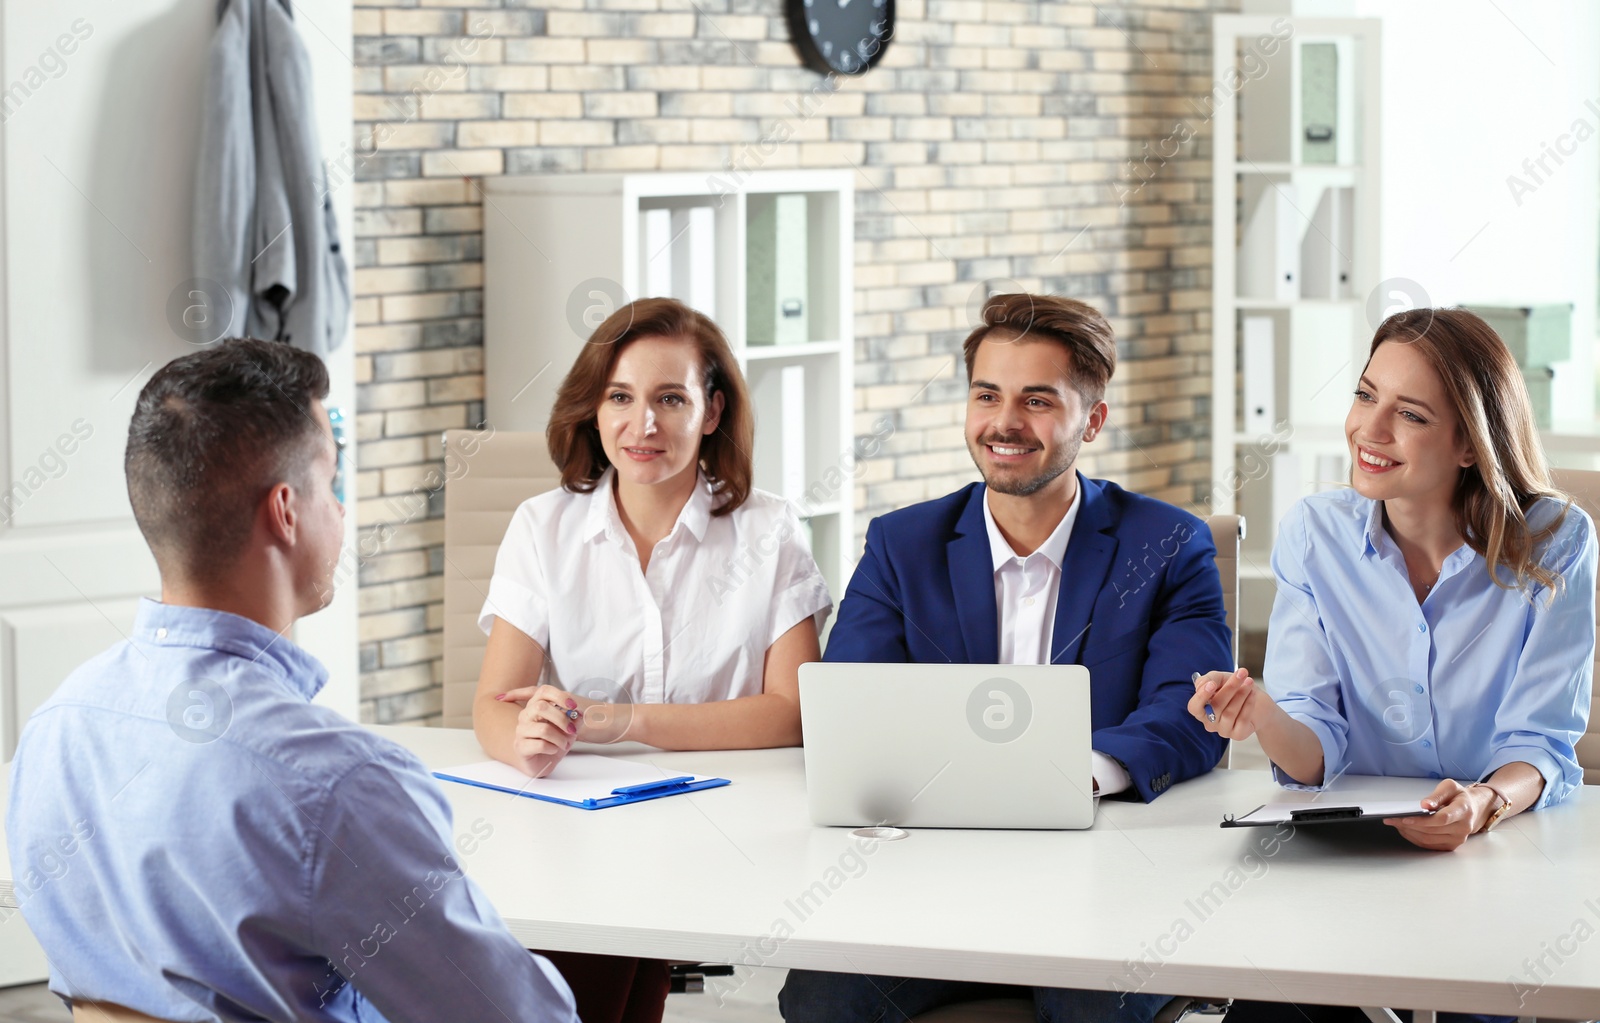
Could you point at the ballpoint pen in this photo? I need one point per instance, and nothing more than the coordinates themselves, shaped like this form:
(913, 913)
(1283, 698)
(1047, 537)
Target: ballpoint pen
(1211, 715)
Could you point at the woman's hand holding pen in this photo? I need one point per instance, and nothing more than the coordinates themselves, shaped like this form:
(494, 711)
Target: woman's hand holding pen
(547, 726)
(579, 718)
(1232, 705)
(1228, 703)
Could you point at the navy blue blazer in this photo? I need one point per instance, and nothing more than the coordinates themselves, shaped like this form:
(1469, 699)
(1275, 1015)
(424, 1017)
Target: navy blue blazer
(1140, 607)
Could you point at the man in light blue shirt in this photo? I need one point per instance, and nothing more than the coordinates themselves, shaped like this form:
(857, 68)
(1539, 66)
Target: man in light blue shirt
(191, 836)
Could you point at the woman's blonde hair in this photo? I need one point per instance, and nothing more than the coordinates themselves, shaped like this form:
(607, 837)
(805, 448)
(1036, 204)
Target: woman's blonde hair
(1509, 474)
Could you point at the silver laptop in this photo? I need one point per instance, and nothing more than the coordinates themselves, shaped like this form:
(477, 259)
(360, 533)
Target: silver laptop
(947, 745)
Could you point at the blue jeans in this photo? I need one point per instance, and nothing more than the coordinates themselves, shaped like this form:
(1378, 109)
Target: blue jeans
(809, 996)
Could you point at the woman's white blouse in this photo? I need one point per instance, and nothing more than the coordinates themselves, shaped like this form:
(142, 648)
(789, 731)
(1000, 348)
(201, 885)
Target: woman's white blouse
(693, 628)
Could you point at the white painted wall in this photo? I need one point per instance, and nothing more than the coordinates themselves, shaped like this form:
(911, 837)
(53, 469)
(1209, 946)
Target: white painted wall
(1470, 90)
(97, 160)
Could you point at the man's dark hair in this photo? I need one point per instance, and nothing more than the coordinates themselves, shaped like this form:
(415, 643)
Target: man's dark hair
(212, 434)
(1075, 326)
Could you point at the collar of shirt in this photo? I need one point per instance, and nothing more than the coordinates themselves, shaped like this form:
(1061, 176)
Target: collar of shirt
(1376, 541)
(1054, 547)
(158, 624)
(603, 518)
(1374, 537)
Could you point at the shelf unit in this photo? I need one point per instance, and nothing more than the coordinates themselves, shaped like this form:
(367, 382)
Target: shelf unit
(1295, 188)
(563, 251)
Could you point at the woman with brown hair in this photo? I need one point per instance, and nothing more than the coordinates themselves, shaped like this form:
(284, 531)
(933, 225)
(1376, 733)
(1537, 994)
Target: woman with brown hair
(1437, 619)
(655, 597)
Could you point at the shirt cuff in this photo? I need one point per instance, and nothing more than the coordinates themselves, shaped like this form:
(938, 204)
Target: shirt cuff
(1110, 776)
(1556, 786)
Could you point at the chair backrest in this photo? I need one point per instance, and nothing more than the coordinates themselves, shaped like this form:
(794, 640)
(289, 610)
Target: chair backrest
(1226, 533)
(106, 1012)
(488, 473)
(1584, 486)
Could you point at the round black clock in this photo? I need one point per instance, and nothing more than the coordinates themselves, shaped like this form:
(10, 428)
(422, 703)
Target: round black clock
(846, 37)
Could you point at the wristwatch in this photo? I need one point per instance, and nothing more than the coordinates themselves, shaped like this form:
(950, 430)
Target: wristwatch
(1500, 813)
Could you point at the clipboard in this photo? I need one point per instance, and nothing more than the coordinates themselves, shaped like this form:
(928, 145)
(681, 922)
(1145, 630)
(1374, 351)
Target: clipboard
(1271, 814)
(587, 781)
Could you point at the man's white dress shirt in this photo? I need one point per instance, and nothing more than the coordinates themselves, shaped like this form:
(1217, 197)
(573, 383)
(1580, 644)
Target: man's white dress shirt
(1025, 593)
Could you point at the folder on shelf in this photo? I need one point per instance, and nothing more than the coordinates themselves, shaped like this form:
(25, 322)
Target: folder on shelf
(1269, 247)
(776, 269)
(587, 781)
(694, 258)
(1332, 471)
(1287, 485)
(1325, 261)
(1324, 813)
(1260, 375)
(655, 253)
(1319, 102)
(792, 384)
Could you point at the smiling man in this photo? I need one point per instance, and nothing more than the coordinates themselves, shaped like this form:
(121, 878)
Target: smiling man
(1040, 565)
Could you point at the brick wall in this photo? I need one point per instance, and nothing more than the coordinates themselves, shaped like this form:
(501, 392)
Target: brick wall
(1031, 143)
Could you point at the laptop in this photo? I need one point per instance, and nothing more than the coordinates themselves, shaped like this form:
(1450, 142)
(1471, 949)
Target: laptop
(947, 745)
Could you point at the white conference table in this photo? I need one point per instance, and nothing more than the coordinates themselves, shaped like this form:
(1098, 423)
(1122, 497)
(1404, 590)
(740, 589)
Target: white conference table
(1154, 897)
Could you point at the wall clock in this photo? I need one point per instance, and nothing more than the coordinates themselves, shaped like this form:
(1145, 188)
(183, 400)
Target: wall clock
(846, 37)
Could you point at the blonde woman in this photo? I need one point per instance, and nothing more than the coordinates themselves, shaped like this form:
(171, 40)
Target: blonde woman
(1437, 619)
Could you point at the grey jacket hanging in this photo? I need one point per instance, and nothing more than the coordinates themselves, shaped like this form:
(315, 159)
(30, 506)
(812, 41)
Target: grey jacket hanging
(264, 228)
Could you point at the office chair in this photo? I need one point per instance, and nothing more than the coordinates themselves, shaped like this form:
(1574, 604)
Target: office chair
(1584, 486)
(488, 473)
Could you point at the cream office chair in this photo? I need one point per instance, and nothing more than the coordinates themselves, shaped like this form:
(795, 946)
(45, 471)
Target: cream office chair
(487, 475)
(1226, 533)
(1584, 486)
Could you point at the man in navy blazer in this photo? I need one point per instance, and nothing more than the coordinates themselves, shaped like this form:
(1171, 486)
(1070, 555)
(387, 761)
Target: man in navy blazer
(1140, 606)
(1039, 564)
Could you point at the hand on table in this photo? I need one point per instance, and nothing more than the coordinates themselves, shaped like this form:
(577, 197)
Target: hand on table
(1238, 707)
(546, 707)
(546, 728)
(1459, 811)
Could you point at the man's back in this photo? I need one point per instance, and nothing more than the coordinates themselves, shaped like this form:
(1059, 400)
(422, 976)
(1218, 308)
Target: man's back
(191, 837)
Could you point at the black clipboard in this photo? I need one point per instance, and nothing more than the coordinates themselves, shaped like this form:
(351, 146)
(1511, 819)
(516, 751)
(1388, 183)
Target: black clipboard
(1270, 815)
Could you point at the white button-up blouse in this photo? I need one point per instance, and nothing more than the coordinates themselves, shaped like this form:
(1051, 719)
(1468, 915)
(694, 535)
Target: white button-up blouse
(693, 628)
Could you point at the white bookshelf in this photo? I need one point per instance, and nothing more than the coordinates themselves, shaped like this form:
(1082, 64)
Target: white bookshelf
(1295, 257)
(562, 250)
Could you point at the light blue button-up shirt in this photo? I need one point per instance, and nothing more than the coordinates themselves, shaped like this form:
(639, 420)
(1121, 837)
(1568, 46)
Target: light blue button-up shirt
(191, 837)
(1473, 678)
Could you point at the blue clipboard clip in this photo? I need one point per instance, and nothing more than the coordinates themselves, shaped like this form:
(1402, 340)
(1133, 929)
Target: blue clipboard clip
(652, 790)
(619, 796)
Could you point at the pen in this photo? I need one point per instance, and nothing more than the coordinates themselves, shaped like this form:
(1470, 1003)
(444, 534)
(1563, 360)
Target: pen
(1211, 715)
